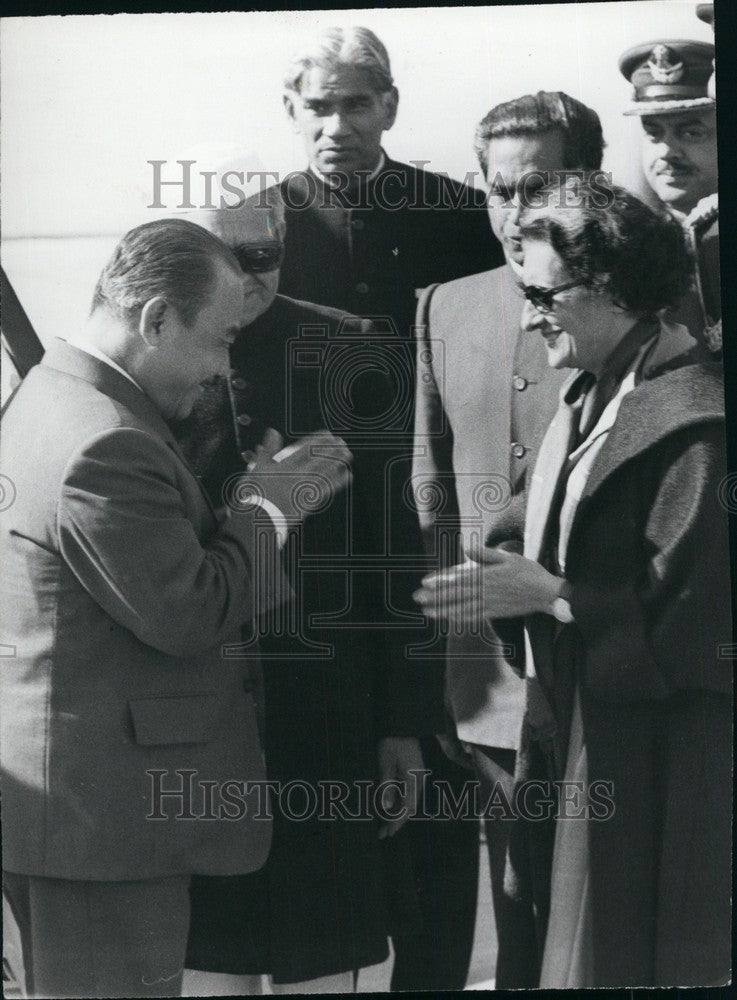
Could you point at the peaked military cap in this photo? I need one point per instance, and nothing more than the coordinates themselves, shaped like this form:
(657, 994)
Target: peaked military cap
(668, 76)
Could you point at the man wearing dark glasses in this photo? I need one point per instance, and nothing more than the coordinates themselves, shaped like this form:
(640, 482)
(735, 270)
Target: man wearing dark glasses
(339, 694)
(485, 395)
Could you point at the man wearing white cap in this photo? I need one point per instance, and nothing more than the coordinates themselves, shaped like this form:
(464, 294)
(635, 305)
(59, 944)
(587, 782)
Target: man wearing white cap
(678, 118)
(703, 228)
(674, 97)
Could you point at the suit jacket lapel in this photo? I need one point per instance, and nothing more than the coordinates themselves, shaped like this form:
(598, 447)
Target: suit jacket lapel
(74, 361)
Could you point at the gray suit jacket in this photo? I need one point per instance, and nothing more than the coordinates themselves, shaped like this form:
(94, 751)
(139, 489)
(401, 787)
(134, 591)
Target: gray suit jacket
(119, 591)
(485, 395)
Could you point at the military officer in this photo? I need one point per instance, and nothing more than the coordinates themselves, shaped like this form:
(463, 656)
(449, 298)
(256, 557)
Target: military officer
(674, 97)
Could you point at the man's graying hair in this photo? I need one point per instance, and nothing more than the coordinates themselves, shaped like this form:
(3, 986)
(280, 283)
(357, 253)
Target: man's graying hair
(172, 258)
(334, 47)
(583, 140)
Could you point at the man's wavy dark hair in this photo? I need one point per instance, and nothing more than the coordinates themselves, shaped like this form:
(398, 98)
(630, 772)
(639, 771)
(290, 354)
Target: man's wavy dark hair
(616, 245)
(546, 111)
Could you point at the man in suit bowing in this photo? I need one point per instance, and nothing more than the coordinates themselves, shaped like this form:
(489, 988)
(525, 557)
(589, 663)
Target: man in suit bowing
(485, 396)
(128, 737)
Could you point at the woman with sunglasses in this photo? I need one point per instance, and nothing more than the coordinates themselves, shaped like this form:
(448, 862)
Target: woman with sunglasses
(624, 586)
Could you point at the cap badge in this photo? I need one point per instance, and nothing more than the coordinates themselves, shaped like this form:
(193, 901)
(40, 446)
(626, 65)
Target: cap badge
(662, 65)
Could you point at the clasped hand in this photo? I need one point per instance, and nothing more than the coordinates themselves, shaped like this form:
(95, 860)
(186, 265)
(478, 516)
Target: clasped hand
(492, 583)
(300, 479)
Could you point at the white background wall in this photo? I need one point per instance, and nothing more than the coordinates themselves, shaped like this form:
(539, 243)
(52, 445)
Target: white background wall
(88, 100)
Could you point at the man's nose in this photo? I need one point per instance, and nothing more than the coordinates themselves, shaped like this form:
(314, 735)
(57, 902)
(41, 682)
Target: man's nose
(513, 207)
(669, 150)
(336, 124)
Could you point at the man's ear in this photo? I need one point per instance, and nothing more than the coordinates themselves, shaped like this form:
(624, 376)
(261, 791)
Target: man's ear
(289, 105)
(152, 318)
(391, 103)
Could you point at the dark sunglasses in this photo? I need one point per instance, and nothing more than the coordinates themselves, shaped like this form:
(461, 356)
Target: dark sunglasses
(259, 258)
(542, 298)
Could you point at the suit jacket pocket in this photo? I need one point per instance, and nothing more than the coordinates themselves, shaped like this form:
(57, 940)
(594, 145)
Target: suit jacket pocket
(181, 719)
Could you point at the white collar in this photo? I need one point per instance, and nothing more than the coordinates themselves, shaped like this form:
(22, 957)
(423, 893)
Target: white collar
(96, 353)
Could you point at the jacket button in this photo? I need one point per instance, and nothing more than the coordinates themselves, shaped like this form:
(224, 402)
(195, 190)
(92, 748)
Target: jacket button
(518, 450)
(357, 224)
(362, 288)
(239, 383)
(519, 382)
(243, 419)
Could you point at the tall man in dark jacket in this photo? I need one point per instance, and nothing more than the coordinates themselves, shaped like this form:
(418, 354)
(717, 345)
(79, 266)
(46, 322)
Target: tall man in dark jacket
(364, 233)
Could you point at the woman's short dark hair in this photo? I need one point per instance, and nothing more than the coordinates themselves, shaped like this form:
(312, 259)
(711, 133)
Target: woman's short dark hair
(612, 242)
(172, 258)
(546, 111)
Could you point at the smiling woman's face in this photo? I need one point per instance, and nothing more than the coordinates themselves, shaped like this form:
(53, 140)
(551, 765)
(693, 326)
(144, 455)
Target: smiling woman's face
(579, 331)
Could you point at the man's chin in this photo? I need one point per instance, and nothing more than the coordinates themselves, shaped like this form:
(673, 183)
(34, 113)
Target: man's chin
(255, 305)
(676, 196)
(337, 166)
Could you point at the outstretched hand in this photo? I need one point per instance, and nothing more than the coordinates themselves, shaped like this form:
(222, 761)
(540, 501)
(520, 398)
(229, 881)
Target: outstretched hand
(492, 583)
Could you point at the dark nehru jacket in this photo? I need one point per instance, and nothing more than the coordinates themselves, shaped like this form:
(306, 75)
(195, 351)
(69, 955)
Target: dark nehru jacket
(368, 249)
(336, 677)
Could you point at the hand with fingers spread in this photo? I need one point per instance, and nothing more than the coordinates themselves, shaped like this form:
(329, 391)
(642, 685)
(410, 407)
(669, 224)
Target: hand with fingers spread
(299, 480)
(492, 583)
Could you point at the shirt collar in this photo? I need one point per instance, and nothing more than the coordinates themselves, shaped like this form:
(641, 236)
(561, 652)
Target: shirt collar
(97, 353)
